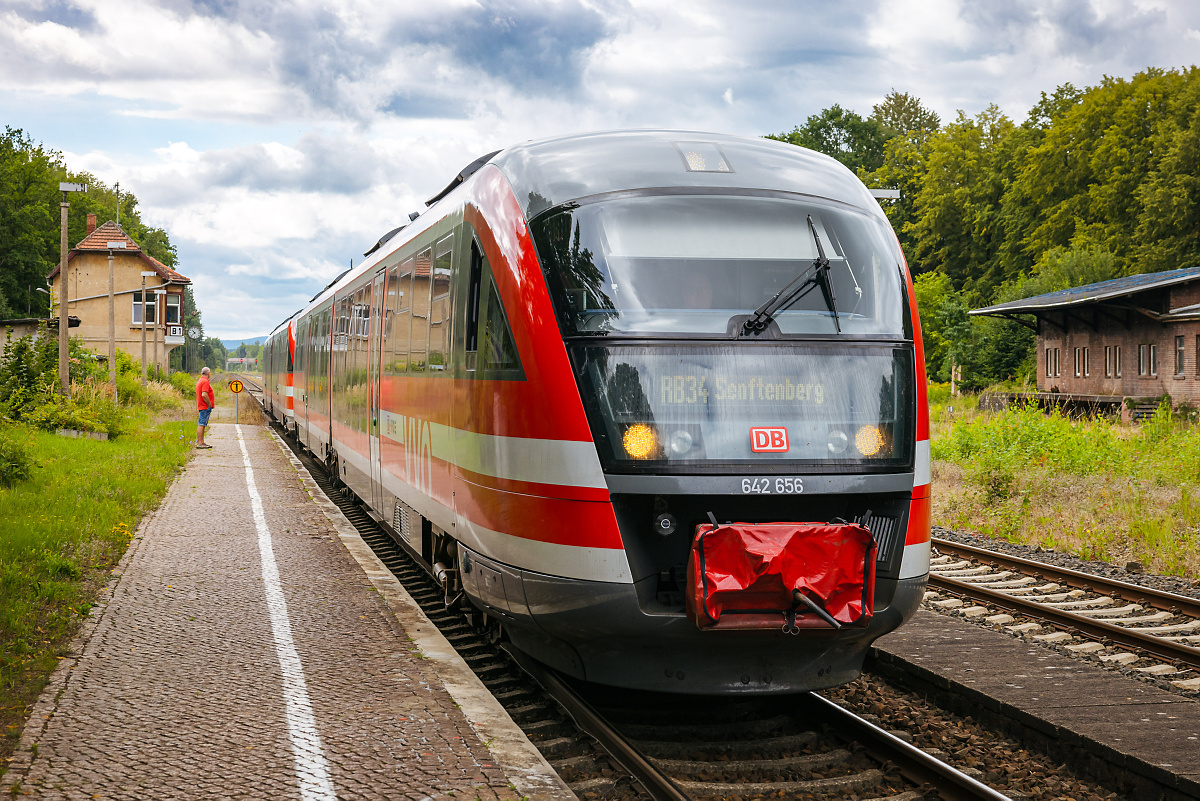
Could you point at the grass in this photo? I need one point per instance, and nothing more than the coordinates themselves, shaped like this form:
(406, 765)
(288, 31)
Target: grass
(1097, 488)
(64, 528)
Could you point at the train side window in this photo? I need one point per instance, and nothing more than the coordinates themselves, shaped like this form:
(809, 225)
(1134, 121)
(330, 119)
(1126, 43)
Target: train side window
(401, 318)
(422, 287)
(439, 306)
(498, 351)
(474, 286)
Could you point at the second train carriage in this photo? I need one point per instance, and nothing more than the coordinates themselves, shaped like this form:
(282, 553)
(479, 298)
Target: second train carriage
(548, 383)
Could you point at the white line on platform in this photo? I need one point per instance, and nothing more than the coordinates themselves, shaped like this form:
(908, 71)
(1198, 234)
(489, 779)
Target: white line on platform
(311, 769)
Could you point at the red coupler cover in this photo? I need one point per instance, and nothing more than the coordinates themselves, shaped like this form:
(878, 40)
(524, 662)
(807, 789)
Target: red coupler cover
(742, 575)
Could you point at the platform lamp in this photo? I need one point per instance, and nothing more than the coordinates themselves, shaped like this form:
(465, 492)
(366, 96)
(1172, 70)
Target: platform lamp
(64, 362)
(112, 317)
(145, 274)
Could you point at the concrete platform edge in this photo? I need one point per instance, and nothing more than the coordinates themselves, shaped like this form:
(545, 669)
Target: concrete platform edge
(46, 705)
(521, 762)
(973, 702)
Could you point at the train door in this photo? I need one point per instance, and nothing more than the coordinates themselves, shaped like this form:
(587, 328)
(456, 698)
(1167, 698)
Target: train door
(300, 380)
(373, 364)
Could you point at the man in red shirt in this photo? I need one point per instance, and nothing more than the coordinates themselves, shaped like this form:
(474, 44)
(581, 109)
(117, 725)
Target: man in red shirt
(205, 401)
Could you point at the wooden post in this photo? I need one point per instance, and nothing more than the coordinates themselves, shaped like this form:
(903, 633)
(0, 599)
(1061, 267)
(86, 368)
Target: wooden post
(64, 363)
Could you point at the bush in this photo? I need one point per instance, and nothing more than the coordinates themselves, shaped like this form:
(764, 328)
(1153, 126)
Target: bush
(16, 458)
(185, 383)
(939, 392)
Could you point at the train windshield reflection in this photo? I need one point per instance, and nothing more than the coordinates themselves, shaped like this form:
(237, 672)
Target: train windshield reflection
(666, 264)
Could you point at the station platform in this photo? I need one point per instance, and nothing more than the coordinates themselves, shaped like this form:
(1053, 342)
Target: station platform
(1095, 719)
(250, 645)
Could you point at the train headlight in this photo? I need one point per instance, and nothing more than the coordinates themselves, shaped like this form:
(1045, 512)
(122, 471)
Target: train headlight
(869, 440)
(640, 441)
(681, 443)
(838, 442)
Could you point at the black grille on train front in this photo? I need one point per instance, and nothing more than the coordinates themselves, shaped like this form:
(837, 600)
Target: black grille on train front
(884, 530)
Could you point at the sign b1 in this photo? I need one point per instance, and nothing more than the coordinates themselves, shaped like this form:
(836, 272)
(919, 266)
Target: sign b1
(235, 386)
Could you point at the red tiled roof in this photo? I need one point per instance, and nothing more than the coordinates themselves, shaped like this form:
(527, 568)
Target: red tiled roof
(112, 232)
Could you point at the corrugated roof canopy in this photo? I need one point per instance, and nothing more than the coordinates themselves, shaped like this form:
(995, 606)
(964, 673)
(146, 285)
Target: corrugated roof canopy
(1091, 293)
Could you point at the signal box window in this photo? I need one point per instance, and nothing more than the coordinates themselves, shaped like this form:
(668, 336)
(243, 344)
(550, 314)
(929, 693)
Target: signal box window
(147, 305)
(1049, 362)
(1179, 355)
(1057, 371)
(1117, 360)
(1078, 362)
(1087, 362)
(173, 306)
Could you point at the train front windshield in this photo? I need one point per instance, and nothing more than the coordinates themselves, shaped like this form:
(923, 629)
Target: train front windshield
(643, 269)
(670, 264)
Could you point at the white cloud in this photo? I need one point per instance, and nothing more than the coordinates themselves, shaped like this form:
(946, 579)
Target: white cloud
(276, 140)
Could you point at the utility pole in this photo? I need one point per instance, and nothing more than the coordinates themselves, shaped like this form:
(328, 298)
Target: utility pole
(112, 317)
(64, 361)
(145, 274)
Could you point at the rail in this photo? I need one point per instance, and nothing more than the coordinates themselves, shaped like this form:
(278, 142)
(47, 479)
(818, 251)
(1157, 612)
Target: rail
(1065, 619)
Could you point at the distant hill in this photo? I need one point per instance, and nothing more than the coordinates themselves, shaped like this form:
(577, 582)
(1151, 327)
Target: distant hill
(232, 344)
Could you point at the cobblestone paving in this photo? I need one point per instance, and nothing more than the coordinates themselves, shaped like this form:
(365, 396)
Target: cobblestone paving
(177, 692)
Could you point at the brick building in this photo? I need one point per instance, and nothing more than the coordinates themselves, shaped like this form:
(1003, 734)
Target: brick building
(1137, 336)
(87, 273)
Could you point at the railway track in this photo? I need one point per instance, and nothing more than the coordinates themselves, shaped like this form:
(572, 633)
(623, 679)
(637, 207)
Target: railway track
(1119, 622)
(622, 745)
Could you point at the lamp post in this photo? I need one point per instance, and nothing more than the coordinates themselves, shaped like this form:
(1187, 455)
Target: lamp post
(64, 362)
(145, 274)
(112, 317)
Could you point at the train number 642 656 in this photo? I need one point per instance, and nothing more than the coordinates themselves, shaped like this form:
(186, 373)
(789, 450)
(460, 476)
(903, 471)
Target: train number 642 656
(772, 486)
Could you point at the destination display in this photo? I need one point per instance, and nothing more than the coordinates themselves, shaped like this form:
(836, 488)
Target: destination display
(749, 404)
(693, 389)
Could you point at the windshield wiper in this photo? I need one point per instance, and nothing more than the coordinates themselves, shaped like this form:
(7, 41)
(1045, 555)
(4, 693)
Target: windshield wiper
(818, 271)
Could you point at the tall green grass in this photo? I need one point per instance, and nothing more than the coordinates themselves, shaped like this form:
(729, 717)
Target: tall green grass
(1097, 487)
(64, 527)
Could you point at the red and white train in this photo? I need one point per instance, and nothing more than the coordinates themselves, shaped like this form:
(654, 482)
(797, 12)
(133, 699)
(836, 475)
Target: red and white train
(585, 350)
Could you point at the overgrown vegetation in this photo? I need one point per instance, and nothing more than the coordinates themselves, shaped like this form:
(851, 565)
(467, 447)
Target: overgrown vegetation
(70, 505)
(1095, 183)
(1099, 488)
(67, 521)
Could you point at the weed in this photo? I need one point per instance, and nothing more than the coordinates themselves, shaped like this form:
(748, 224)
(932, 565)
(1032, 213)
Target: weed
(1096, 488)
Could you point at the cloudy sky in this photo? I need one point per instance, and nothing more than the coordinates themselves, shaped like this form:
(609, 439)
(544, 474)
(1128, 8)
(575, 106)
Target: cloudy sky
(277, 140)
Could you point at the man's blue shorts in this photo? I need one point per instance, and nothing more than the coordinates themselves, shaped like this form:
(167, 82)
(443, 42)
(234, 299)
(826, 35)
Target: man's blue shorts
(204, 413)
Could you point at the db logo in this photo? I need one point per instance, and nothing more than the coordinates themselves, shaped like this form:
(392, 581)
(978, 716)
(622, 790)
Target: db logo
(768, 440)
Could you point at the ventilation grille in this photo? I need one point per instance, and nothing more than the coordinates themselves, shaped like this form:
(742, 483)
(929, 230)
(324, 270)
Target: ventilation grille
(884, 531)
(402, 522)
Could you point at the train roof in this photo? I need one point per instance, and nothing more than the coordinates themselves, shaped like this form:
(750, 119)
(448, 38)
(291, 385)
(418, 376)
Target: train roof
(550, 172)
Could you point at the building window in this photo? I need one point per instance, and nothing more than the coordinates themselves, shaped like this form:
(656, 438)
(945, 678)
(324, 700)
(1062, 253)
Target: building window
(1108, 361)
(1147, 360)
(1117, 361)
(1179, 353)
(1078, 362)
(1050, 358)
(139, 305)
(173, 302)
(1154, 360)
(1087, 367)
(1057, 371)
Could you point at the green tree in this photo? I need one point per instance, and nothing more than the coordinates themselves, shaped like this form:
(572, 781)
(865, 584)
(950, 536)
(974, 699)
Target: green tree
(842, 134)
(904, 115)
(29, 222)
(956, 226)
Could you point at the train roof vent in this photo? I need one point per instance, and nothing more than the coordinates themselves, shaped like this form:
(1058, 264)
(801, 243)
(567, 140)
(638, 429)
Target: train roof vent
(463, 175)
(383, 239)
